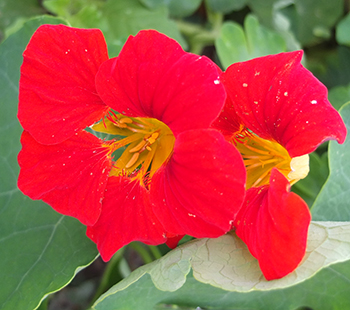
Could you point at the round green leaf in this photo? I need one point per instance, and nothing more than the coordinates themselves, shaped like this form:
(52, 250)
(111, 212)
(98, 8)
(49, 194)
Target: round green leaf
(310, 21)
(117, 19)
(127, 17)
(41, 250)
(226, 6)
(309, 187)
(235, 44)
(226, 264)
(153, 4)
(339, 95)
(343, 31)
(332, 203)
(11, 11)
(183, 8)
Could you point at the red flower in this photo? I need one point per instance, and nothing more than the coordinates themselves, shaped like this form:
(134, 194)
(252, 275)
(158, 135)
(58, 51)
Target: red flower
(276, 113)
(174, 175)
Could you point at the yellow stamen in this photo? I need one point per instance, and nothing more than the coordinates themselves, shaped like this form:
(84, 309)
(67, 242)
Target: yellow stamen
(133, 160)
(138, 147)
(125, 120)
(120, 125)
(153, 138)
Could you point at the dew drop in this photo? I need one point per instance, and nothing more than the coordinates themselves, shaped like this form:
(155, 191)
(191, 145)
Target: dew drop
(216, 82)
(313, 101)
(286, 93)
(245, 85)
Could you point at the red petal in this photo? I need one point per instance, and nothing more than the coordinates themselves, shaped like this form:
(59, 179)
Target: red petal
(200, 190)
(277, 98)
(274, 223)
(153, 77)
(126, 216)
(172, 242)
(71, 176)
(228, 122)
(57, 95)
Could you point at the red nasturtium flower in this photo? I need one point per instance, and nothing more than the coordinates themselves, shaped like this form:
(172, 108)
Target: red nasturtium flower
(174, 175)
(276, 113)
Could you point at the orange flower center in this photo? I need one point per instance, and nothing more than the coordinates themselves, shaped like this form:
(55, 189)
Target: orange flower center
(260, 156)
(142, 145)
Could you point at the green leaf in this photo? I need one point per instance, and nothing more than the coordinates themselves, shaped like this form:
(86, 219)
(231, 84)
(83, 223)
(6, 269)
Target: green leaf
(227, 265)
(332, 204)
(299, 21)
(183, 8)
(117, 19)
(235, 45)
(343, 31)
(13, 10)
(265, 10)
(127, 17)
(312, 21)
(309, 187)
(332, 68)
(67, 8)
(226, 6)
(154, 4)
(41, 250)
(339, 95)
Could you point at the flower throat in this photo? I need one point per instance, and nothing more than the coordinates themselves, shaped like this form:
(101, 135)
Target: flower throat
(260, 156)
(144, 143)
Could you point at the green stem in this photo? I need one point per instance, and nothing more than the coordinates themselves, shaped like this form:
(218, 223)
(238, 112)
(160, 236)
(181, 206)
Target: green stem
(215, 19)
(139, 248)
(155, 251)
(107, 274)
(197, 35)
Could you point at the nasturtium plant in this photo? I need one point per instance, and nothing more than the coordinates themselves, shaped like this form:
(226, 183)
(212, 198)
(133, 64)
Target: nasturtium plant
(162, 154)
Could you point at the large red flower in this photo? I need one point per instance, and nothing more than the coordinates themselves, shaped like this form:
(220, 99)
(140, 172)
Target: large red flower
(276, 113)
(171, 175)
